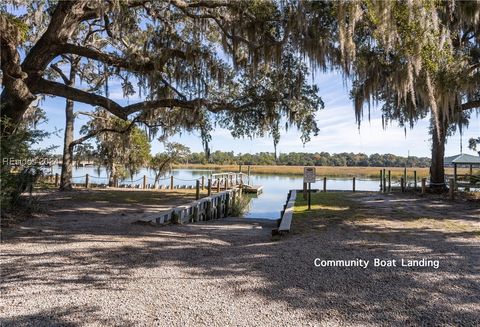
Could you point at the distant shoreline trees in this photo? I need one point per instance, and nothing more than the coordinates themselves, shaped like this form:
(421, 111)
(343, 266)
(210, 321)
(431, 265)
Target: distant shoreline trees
(309, 159)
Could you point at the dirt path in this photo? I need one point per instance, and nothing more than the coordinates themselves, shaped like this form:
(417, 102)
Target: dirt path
(92, 269)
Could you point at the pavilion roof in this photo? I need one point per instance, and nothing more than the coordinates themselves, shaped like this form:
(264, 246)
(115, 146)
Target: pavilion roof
(462, 159)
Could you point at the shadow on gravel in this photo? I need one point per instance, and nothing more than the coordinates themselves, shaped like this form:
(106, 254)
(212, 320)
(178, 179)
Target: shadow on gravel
(62, 317)
(449, 295)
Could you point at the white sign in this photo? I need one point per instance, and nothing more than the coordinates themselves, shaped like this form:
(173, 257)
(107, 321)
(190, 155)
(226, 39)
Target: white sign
(309, 175)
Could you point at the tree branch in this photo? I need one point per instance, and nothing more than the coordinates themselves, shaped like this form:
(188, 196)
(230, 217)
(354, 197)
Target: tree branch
(470, 105)
(144, 66)
(58, 89)
(60, 72)
(103, 130)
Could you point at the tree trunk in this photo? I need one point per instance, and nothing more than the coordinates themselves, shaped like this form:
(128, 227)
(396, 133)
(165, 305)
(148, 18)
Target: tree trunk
(113, 173)
(67, 161)
(437, 169)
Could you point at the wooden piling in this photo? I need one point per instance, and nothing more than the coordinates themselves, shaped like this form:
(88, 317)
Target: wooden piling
(402, 184)
(171, 182)
(424, 185)
(203, 182)
(324, 184)
(384, 180)
(227, 204)
(197, 190)
(86, 181)
(415, 180)
(218, 185)
(353, 184)
(381, 180)
(389, 181)
(144, 182)
(209, 191)
(451, 189)
(208, 214)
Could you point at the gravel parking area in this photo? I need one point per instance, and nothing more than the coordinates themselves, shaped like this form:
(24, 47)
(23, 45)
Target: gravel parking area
(70, 269)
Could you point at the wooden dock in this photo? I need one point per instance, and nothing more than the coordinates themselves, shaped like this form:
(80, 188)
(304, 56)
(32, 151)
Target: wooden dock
(257, 189)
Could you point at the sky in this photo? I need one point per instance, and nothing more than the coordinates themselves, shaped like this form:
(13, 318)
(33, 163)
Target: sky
(338, 129)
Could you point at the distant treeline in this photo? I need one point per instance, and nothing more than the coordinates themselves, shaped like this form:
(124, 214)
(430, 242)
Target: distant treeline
(309, 159)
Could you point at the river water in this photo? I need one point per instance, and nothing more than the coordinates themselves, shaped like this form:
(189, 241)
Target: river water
(266, 205)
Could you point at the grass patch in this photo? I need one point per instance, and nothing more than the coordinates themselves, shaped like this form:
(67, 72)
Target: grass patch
(326, 208)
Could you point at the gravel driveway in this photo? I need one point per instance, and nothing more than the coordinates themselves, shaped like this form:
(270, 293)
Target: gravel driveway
(83, 270)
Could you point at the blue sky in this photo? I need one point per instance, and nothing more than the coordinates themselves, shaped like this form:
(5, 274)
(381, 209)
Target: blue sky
(338, 129)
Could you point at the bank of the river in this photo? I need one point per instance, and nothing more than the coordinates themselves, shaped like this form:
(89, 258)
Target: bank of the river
(331, 171)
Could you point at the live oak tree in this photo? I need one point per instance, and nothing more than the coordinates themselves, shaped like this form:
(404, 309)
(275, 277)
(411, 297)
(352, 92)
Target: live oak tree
(194, 64)
(416, 58)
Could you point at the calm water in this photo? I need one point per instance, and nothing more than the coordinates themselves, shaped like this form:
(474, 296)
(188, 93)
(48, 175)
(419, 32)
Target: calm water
(266, 205)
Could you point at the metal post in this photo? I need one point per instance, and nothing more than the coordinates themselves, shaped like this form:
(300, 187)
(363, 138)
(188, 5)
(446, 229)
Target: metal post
(309, 195)
(305, 191)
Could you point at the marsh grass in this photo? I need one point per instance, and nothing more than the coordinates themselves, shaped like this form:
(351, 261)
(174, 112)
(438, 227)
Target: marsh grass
(366, 172)
(240, 206)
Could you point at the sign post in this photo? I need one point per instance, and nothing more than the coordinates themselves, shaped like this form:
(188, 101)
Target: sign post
(309, 176)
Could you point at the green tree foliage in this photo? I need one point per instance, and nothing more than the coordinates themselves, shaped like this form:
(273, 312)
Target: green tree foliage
(122, 147)
(162, 162)
(20, 164)
(473, 143)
